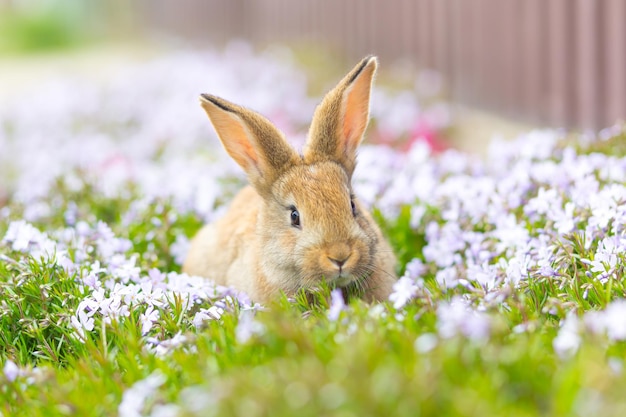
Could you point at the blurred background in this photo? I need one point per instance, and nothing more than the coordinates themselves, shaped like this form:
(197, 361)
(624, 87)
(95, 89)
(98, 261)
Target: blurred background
(505, 65)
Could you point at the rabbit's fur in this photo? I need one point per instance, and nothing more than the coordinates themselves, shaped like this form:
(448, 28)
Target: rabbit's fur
(260, 246)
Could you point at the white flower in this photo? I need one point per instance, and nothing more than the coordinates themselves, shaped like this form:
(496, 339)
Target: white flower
(134, 398)
(516, 268)
(152, 296)
(21, 234)
(510, 233)
(567, 341)
(545, 201)
(565, 220)
(337, 304)
(444, 243)
(165, 410)
(457, 317)
(147, 319)
(124, 268)
(11, 370)
(212, 313)
(114, 309)
(426, 342)
(612, 320)
(606, 258)
(90, 277)
(157, 278)
(447, 277)
(28, 239)
(484, 274)
(179, 249)
(248, 326)
(83, 322)
(415, 268)
(403, 290)
(163, 347)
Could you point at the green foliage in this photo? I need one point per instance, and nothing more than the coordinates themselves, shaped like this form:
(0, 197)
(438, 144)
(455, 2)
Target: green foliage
(407, 242)
(39, 31)
(37, 302)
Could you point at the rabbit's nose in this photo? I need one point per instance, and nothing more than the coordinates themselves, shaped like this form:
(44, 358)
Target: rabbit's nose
(339, 262)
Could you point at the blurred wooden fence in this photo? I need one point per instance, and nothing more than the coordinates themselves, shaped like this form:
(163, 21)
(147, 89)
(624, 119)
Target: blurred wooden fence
(551, 62)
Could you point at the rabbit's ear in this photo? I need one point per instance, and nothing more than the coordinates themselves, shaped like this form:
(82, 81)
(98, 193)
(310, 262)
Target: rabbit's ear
(341, 118)
(251, 140)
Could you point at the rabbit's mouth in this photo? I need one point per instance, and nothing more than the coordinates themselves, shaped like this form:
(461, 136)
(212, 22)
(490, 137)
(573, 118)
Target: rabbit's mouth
(342, 280)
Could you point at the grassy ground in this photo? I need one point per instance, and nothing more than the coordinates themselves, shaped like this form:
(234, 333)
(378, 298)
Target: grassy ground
(511, 300)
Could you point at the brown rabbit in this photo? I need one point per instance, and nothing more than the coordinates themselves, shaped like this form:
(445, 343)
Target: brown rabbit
(299, 222)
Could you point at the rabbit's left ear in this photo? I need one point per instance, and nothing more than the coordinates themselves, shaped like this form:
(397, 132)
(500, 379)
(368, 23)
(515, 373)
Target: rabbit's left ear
(251, 140)
(341, 118)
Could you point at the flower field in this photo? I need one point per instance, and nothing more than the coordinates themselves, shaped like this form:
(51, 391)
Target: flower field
(511, 299)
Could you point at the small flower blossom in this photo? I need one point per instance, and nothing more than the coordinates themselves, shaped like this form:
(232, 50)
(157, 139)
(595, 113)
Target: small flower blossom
(134, 398)
(611, 320)
(164, 347)
(447, 277)
(607, 258)
(415, 269)
(426, 342)
(83, 322)
(403, 290)
(179, 249)
(457, 317)
(337, 304)
(568, 340)
(21, 234)
(212, 313)
(152, 296)
(148, 318)
(11, 370)
(248, 327)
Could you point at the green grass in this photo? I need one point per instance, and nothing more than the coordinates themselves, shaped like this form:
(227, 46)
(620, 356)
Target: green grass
(359, 365)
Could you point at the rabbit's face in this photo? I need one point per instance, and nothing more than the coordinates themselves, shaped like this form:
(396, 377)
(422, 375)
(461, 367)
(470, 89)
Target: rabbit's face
(317, 229)
(309, 228)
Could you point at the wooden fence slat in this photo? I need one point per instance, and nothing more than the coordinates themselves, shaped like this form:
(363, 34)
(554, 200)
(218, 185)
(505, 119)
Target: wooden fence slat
(615, 54)
(441, 30)
(560, 62)
(587, 61)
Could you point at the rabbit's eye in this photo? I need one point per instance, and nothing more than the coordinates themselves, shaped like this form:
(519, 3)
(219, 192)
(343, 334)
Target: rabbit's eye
(353, 207)
(295, 217)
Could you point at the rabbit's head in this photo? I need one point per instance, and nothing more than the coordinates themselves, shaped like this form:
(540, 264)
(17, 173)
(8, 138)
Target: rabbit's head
(309, 225)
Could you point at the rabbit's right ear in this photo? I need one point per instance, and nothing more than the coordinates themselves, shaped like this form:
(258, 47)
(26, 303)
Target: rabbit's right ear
(340, 120)
(251, 140)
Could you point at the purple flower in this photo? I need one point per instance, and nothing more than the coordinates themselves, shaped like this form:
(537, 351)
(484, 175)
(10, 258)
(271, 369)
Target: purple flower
(248, 326)
(337, 304)
(403, 291)
(11, 370)
(148, 318)
(415, 269)
(457, 317)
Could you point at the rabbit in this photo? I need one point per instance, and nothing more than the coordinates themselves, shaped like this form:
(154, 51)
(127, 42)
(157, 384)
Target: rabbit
(297, 223)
